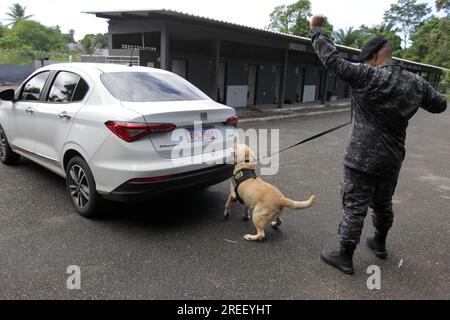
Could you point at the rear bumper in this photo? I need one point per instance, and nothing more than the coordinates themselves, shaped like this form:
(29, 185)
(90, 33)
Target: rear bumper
(140, 192)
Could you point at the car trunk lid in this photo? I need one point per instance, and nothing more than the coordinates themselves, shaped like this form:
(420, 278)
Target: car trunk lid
(200, 126)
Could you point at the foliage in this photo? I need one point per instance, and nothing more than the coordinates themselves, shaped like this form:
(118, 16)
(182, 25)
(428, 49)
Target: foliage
(405, 23)
(358, 37)
(407, 15)
(17, 13)
(349, 37)
(294, 19)
(15, 57)
(31, 35)
(2, 30)
(92, 42)
(443, 5)
(386, 30)
(431, 42)
(70, 37)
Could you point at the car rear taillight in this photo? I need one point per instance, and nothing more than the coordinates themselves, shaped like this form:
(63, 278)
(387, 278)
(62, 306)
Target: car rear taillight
(133, 131)
(232, 121)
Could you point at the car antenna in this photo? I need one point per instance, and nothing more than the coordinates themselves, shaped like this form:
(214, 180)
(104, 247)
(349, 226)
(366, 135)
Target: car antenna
(129, 47)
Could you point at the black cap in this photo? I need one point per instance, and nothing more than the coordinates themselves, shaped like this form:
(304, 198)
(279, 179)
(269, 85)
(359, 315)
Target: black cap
(371, 47)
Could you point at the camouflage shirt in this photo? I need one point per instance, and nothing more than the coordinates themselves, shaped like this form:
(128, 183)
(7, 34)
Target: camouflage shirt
(384, 99)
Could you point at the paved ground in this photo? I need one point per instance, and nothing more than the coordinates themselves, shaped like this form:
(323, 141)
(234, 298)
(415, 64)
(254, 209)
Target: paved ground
(177, 248)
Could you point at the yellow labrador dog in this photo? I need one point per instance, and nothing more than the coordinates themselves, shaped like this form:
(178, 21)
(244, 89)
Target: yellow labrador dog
(266, 201)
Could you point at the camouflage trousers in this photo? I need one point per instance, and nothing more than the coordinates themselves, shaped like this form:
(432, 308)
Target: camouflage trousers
(359, 191)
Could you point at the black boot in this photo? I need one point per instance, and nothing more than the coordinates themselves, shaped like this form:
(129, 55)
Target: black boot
(343, 259)
(377, 243)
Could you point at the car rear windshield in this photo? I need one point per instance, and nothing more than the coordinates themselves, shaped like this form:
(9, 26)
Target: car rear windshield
(150, 87)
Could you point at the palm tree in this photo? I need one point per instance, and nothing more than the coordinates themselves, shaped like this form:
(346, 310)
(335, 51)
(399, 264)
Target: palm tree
(17, 13)
(348, 37)
(385, 29)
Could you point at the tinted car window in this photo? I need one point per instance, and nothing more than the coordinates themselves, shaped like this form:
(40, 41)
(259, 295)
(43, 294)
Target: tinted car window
(33, 88)
(67, 87)
(148, 87)
(80, 91)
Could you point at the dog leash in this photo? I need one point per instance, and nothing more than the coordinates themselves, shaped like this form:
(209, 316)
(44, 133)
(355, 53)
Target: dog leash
(310, 139)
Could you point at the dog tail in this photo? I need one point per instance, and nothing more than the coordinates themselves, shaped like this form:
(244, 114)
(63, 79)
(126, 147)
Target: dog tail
(297, 205)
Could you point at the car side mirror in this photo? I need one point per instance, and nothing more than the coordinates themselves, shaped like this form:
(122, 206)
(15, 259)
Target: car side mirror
(8, 95)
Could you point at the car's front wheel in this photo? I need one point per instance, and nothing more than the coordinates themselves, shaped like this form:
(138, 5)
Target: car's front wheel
(80, 185)
(7, 156)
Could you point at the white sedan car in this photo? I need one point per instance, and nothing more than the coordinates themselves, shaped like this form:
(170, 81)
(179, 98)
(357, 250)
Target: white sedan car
(117, 132)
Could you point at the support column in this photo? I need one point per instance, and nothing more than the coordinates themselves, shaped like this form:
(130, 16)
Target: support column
(215, 68)
(438, 80)
(110, 42)
(165, 49)
(282, 87)
(325, 87)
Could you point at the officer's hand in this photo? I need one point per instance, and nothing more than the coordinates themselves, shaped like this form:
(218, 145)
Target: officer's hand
(317, 21)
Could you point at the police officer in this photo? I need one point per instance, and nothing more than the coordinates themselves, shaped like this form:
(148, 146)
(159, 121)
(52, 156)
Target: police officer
(384, 98)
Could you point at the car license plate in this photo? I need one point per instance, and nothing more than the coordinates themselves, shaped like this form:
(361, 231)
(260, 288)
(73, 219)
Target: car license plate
(201, 134)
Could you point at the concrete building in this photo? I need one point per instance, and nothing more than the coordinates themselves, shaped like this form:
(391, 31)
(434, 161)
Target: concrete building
(234, 64)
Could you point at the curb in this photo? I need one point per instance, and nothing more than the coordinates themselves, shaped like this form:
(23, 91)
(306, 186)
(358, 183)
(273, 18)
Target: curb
(290, 116)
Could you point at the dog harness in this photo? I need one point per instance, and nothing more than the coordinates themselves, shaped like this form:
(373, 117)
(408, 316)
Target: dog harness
(240, 177)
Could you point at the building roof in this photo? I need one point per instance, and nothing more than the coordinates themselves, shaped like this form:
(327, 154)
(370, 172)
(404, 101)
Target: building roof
(148, 13)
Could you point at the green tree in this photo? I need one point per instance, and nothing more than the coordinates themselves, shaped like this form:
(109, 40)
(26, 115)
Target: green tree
(88, 44)
(31, 35)
(70, 36)
(443, 5)
(3, 30)
(294, 19)
(386, 30)
(431, 42)
(17, 13)
(407, 15)
(349, 37)
(92, 42)
(101, 39)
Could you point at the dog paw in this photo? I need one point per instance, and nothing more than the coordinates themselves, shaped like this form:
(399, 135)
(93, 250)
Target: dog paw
(276, 224)
(249, 237)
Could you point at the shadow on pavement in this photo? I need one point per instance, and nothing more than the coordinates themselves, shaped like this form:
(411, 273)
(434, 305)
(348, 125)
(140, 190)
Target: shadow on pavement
(172, 210)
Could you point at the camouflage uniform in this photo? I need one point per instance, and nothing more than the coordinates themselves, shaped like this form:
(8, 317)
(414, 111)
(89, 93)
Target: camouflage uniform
(383, 101)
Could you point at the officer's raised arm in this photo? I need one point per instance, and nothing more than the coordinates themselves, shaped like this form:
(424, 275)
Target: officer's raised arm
(432, 101)
(356, 75)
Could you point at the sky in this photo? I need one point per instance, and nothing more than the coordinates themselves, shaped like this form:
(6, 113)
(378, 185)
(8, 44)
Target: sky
(68, 13)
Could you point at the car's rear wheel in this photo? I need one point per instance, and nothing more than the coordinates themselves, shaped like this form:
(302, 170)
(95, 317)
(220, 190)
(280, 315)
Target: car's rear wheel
(80, 185)
(7, 156)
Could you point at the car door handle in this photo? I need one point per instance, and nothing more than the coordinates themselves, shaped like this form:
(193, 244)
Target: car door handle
(29, 110)
(65, 116)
